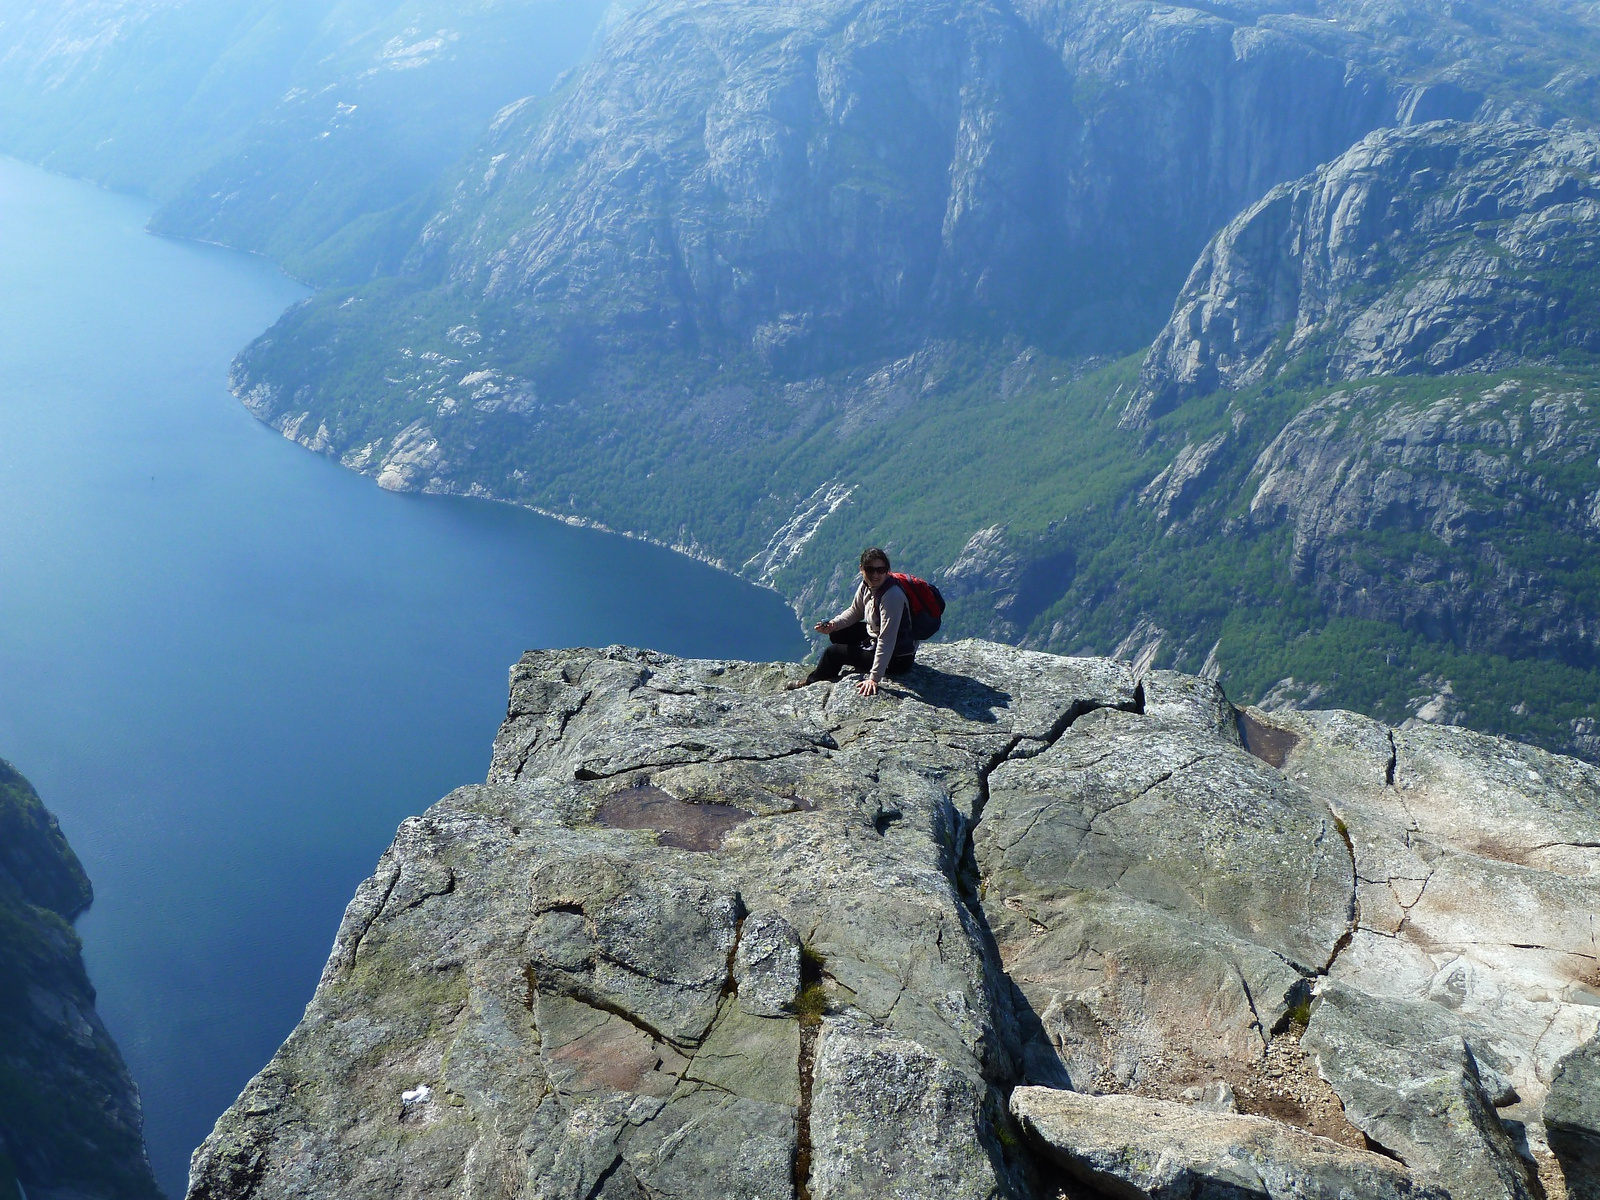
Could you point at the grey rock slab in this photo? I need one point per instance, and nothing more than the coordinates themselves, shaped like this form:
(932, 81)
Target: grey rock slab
(1410, 1082)
(593, 715)
(617, 933)
(1499, 800)
(1161, 1150)
(1215, 1097)
(1172, 698)
(571, 994)
(766, 966)
(1475, 880)
(1572, 1120)
(710, 1143)
(1498, 910)
(1157, 894)
(1122, 996)
(891, 1119)
(1177, 817)
(1003, 870)
(1026, 693)
(754, 1057)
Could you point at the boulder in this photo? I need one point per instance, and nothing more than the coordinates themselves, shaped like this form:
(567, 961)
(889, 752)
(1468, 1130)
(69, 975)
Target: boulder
(1572, 1120)
(766, 965)
(1161, 1150)
(1412, 1084)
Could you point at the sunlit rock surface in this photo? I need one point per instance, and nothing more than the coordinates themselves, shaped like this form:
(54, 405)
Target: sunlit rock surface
(698, 935)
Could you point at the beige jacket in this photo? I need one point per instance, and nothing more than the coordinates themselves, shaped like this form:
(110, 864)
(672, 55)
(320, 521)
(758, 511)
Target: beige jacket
(883, 612)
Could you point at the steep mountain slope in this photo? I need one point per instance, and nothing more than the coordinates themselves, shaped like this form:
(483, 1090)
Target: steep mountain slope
(759, 274)
(817, 184)
(765, 282)
(70, 1122)
(1416, 252)
(733, 197)
(1445, 527)
(698, 935)
(311, 130)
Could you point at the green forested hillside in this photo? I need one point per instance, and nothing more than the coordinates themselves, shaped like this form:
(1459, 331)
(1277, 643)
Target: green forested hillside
(1089, 555)
(1096, 559)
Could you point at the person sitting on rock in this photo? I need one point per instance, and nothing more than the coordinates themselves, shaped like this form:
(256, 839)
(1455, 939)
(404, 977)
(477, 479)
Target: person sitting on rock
(873, 634)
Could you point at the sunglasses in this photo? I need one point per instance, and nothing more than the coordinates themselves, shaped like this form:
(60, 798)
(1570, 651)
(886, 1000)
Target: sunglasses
(874, 570)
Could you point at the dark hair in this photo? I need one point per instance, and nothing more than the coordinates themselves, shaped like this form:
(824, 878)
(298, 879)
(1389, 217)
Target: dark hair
(874, 554)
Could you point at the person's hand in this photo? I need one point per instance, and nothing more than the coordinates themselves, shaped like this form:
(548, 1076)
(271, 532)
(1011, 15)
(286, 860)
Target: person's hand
(868, 686)
(824, 626)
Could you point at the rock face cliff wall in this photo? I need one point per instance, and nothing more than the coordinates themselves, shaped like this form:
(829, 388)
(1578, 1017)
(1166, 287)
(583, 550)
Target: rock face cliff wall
(1021, 924)
(1418, 251)
(757, 272)
(800, 189)
(826, 182)
(70, 1122)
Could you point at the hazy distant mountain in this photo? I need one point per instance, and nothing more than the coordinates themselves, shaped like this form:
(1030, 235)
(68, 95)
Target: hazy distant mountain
(310, 130)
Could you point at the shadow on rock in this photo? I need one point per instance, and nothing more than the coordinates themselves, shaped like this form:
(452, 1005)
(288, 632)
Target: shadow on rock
(970, 699)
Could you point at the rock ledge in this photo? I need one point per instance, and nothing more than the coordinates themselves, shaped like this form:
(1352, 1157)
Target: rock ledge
(697, 936)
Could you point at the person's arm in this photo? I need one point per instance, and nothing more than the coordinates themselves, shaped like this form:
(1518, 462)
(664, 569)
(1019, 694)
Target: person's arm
(892, 604)
(852, 612)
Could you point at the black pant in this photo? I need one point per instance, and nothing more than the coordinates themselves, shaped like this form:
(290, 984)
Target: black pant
(853, 648)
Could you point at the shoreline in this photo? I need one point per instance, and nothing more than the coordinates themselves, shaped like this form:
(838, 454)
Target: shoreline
(477, 491)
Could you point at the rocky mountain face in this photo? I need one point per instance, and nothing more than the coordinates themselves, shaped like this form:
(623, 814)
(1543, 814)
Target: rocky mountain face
(804, 189)
(736, 284)
(1467, 469)
(70, 1122)
(818, 184)
(1443, 248)
(1460, 509)
(733, 201)
(1020, 926)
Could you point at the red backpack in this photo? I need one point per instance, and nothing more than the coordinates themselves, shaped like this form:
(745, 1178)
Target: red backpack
(926, 604)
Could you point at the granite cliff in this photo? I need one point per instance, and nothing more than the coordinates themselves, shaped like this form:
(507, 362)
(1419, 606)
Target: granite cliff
(1446, 248)
(1023, 925)
(70, 1122)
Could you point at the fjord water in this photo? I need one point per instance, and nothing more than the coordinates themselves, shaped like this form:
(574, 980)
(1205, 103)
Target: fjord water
(232, 667)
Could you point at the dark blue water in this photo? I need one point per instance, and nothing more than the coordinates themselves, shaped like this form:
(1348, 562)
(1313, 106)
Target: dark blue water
(231, 666)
